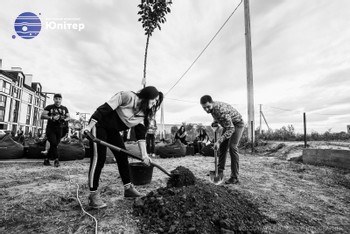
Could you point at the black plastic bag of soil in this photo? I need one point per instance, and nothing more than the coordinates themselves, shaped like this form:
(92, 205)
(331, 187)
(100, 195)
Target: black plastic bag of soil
(34, 149)
(208, 150)
(71, 150)
(174, 150)
(10, 149)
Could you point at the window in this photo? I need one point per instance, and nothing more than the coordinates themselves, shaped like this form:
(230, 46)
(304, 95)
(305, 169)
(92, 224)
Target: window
(2, 107)
(36, 117)
(15, 111)
(30, 98)
(16, 92)
(5, 86)
(2, 101)
(2, 115)
(37, 102)
(29, 110)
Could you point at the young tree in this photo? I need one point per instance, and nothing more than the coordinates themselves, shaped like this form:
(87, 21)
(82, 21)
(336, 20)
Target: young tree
(152, 14)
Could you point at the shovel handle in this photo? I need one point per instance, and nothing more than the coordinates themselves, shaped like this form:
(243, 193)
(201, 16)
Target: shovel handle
(216, 153)
(116, 148)
(91, 137)
(160, 168)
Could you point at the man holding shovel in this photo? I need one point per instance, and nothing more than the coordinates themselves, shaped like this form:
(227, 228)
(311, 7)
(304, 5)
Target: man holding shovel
(231, 121)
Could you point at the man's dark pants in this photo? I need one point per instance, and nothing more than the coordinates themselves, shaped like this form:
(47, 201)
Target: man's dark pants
(54, 136)
(231, 145)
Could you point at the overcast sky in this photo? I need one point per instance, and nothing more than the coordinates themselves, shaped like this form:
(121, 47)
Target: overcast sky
(301, 56)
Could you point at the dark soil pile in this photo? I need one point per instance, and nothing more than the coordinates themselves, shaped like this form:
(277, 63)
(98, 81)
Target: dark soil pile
(181, 176)
(197, 208)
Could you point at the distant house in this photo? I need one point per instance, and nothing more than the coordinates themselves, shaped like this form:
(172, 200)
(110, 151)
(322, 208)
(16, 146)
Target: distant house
(21, 101)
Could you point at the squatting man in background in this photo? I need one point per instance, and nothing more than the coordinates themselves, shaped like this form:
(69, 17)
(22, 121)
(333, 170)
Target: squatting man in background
(57, 116)
(231, 121)
(124, 110)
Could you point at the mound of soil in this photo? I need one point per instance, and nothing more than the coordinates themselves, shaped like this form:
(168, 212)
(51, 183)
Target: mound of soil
(198, 208)
(181, 176)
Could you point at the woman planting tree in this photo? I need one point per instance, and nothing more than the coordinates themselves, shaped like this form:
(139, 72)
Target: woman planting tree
(123, 111)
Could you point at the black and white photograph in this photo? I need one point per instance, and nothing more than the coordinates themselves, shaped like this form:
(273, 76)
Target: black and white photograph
(174, 116)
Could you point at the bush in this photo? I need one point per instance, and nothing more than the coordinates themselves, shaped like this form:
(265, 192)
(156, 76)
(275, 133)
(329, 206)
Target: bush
(288, 134)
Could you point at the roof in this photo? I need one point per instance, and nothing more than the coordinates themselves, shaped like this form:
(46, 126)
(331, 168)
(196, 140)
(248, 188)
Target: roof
(28, 87)
(13, 75)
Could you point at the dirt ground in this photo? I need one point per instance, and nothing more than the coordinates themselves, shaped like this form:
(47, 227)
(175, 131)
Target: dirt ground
(297, 198)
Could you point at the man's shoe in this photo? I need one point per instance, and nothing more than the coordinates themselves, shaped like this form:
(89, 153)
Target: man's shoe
(232, 181)
(131, 192)
(47, 162)
(56, 163)
(95, 200)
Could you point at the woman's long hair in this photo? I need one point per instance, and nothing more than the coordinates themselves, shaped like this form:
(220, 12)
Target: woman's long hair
(202, 133)
(182, 129)
(149, 113)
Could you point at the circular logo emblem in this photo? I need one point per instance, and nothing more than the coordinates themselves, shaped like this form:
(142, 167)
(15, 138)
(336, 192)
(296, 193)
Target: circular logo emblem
(27, 25)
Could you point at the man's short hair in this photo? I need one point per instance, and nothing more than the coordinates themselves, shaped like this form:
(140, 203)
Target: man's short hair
(57, 95)
(205, 99)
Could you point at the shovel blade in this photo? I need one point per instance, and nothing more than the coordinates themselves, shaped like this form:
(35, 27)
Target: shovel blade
(216, 178)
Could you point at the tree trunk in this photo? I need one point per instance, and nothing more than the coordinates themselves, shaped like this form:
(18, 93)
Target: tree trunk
(145, 62)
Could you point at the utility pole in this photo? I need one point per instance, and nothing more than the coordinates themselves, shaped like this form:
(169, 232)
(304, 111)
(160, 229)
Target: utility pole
(304, 120)
(260, 118)
(162, 133)
(268, 127)
(250, 87)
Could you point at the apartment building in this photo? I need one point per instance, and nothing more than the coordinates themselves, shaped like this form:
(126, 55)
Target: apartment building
(21, 101)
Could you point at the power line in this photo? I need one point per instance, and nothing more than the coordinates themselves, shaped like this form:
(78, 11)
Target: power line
(235, 104)
(179, 100)
(309, 113)
(204, 49)
(278, 108)
(197, 102)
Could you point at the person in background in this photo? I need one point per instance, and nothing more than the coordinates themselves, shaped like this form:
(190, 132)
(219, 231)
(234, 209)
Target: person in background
(231, 121)
(57, 116)
(150, 137)
(124, 110)
(181, 135)
(20, 132)
(202, 139)
(20, 135)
